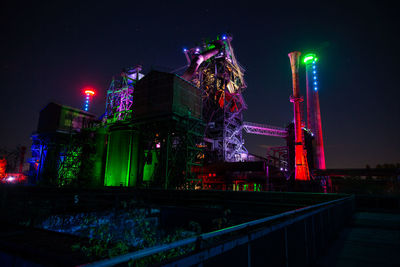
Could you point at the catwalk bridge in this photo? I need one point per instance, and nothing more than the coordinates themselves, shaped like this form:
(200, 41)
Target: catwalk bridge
(264, 129)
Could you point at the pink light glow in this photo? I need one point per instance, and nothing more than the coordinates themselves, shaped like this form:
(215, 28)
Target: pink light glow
(89, 92)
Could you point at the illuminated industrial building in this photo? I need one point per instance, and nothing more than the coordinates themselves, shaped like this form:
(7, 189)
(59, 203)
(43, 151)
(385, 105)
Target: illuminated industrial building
(159, 145)
(178, 131)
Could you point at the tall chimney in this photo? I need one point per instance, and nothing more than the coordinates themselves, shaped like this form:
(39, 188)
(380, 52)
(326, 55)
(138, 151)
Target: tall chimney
(301, 166)
(313, 110)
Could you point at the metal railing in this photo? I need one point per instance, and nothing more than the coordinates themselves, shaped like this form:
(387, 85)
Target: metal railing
(317, 223)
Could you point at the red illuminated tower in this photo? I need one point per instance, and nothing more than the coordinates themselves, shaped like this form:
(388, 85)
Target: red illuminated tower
(313, 110)
(301, 166)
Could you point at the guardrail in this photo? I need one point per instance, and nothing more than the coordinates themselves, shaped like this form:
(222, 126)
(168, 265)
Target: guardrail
(293, 238)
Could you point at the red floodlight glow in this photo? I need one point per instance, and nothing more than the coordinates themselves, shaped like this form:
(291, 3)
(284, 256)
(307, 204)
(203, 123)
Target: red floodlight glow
(89, 92)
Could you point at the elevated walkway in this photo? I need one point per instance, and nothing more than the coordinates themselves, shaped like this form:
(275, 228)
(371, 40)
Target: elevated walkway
(372, 239)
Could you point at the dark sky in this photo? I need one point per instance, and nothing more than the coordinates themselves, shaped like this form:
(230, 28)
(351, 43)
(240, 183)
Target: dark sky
(51, 50)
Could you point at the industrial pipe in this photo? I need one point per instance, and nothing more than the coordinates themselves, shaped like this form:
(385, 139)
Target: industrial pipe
(199, 59)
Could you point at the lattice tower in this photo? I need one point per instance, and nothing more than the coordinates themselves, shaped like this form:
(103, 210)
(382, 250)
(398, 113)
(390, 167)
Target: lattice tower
(119, 101)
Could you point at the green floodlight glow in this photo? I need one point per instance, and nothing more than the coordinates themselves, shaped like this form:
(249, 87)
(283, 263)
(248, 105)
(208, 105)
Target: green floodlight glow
(211, 46)
(310, 57)
(306, 59)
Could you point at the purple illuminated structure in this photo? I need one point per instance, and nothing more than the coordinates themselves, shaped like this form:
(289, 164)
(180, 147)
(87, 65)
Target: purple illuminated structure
(119, 102)
(214, 69)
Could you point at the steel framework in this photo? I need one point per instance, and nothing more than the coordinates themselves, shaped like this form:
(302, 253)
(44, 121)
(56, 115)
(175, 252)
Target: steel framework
(69, 162)
(57, 154)
(214, 69)
(120, 95)
(175, 140)
(278, 157)
(264, 129)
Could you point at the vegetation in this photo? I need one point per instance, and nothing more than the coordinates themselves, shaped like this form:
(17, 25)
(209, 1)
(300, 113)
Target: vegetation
(130, 231)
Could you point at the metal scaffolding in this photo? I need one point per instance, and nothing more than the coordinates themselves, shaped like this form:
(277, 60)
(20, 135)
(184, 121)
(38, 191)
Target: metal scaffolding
(120, 95)
(216, 71)
(58, 145)
(174, 141)
(69, 163)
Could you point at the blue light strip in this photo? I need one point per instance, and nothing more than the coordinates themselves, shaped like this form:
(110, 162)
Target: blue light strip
(315, 76)
(86, 107)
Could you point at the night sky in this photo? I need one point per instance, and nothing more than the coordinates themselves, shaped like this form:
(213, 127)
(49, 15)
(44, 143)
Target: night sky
(51, 50)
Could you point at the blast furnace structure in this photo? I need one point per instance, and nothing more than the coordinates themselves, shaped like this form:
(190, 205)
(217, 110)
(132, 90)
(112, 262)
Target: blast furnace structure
(166, 130)
(214, 69)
